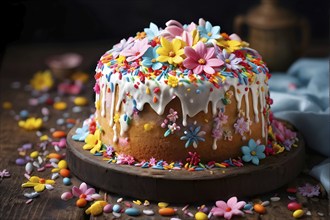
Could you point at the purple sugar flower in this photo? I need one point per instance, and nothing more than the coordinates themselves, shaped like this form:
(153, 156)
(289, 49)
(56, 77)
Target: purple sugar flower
(241, 126)
(122, 45)
(230, 60)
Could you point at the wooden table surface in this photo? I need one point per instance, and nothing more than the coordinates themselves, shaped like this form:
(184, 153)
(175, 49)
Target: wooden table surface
(19, 64)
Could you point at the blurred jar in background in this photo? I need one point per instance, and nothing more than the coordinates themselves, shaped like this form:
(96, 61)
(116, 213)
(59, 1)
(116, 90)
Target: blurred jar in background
(278, 34)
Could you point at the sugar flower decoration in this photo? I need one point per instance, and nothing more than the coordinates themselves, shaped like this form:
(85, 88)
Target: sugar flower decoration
(309, 190)
(31, 124)
(241, 126)
(228, 209)
(84, 192)
(122, 45)
(3, 174)
(193, 136)
(152, 31)
(149, 59)
(170, 52)
(230, 59)
(42, 81)
(39, 184)
(137, 50)
(208, 32)
(201, 59)
(81, 133)
(93, 142)
(172, 81)
(230, 43)
(253, 152)
(175, 29)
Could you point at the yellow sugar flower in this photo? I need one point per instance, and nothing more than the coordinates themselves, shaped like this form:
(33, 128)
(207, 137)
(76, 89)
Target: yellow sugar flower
(170, 52)
(172, 81)
(229, 45)
(121, 59)
(42, 81)
(93, 142)
(39, 184)
(31, 124)
(278, 148)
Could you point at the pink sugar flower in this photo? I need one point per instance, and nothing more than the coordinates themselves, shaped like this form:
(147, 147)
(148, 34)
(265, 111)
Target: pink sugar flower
(137, 50)
(227, 210)
(175, 29)
(201, 59)
(84, 192)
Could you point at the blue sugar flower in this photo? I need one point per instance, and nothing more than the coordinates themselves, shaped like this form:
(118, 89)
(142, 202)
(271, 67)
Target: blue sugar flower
(81, 133)
(193, 136)
(149, 59)
(253, 152)
(152, 31)
(209, 32)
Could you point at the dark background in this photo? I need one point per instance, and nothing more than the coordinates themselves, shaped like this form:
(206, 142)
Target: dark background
(28, 21)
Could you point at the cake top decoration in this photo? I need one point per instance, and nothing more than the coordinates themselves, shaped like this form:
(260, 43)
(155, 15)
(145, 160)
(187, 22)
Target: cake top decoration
(179, 54)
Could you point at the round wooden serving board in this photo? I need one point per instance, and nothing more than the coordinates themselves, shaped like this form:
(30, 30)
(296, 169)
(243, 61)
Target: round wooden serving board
(182, 186)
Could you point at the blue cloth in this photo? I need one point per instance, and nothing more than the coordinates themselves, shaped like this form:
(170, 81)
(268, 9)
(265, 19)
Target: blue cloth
(301, 96)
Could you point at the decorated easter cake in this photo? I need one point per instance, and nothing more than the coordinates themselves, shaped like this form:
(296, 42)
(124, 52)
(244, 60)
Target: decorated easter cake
(182, 94)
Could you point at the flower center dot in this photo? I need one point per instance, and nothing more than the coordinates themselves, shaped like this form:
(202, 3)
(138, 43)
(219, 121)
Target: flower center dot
(83, 196)
(171, 54)
(201, 61)
(153, 60)
(42, 181)
(253, 153)
(228, 209)
(209, 34)
(227, 60)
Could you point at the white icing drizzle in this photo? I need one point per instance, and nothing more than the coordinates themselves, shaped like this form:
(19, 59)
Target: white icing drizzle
(214, 145)
(255, 92)
(247, 106)
(262, 105)
(192, 102)
(112, 107)
(115, 136)
(104, 92)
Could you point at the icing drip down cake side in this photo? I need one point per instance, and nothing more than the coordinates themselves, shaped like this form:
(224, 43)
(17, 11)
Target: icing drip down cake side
(165, 93)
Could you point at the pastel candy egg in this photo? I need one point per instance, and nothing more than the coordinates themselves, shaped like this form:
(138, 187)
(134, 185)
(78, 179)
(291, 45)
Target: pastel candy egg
(80, 101)
(292, 206)
(162, 204)
(201, 216)
(29, 168)
(65, 172)
(259, 208)
(132, 212)
(116, 208)
(66, 181)
(298, 213)
(81, 202)
(62, 164)
(34, 154)
(59, 105)
(58, 134)
(248, 206)
(54, 155)
(20, 161)
(66, 196)
(24, 114)
(166, 211)
(148, 212)
(107, 208)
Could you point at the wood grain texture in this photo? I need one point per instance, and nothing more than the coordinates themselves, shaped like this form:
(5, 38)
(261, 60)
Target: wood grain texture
(19, 64)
